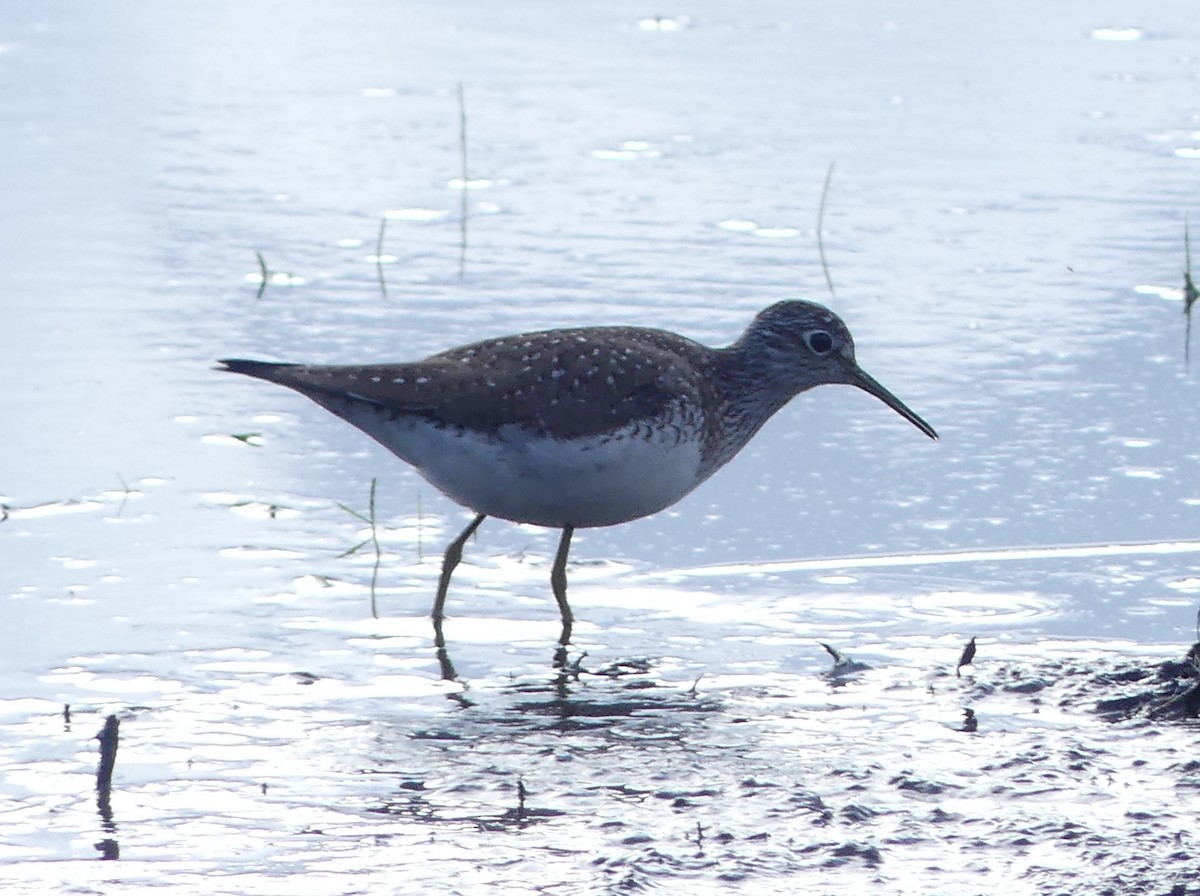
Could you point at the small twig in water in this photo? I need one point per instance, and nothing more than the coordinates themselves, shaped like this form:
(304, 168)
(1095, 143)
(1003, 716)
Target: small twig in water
(838, 657)
(379, 255)
(372, 540)
(126, 492)
(462, 152)
(821, 229)
(966, 658)
(108, 737)
(266, 274)
(1190, 295)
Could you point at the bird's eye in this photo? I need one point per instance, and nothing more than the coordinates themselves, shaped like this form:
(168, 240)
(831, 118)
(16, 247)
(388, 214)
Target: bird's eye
(819, 341)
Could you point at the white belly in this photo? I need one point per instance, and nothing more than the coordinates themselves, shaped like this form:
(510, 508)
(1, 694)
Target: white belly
(525, 478)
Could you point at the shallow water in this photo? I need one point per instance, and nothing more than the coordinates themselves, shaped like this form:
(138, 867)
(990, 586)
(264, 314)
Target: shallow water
(1004, 233)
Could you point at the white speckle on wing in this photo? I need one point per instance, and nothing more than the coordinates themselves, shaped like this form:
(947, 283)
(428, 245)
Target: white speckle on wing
(399, 381)
(422, 380)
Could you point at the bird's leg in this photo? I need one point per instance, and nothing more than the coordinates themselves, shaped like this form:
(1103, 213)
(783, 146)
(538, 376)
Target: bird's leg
(451, 560)
(449, 673)
(558, 582)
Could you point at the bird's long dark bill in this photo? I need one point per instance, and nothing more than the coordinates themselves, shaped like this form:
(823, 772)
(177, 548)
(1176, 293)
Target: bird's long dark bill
(869, 384)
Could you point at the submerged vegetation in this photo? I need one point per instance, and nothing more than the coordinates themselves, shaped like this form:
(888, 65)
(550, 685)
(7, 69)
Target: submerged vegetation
(1190, 294)
(373, 539)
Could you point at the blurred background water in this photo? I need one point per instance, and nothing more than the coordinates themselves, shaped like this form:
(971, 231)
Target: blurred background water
(1004, 231)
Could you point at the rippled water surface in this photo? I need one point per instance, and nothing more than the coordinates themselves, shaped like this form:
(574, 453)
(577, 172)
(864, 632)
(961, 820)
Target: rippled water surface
(1005, 235)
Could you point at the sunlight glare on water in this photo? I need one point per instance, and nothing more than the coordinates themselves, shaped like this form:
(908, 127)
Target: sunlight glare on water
(763, 690)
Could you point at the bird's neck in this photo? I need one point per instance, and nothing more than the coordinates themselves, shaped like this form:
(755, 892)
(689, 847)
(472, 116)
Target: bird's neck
(750, 395)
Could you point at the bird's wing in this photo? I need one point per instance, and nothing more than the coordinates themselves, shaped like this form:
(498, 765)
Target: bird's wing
(569, 382)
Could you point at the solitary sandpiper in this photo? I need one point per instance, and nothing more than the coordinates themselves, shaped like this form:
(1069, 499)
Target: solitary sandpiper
(588, 426)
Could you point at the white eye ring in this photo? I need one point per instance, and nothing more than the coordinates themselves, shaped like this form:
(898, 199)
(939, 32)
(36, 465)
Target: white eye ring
(819, 342)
